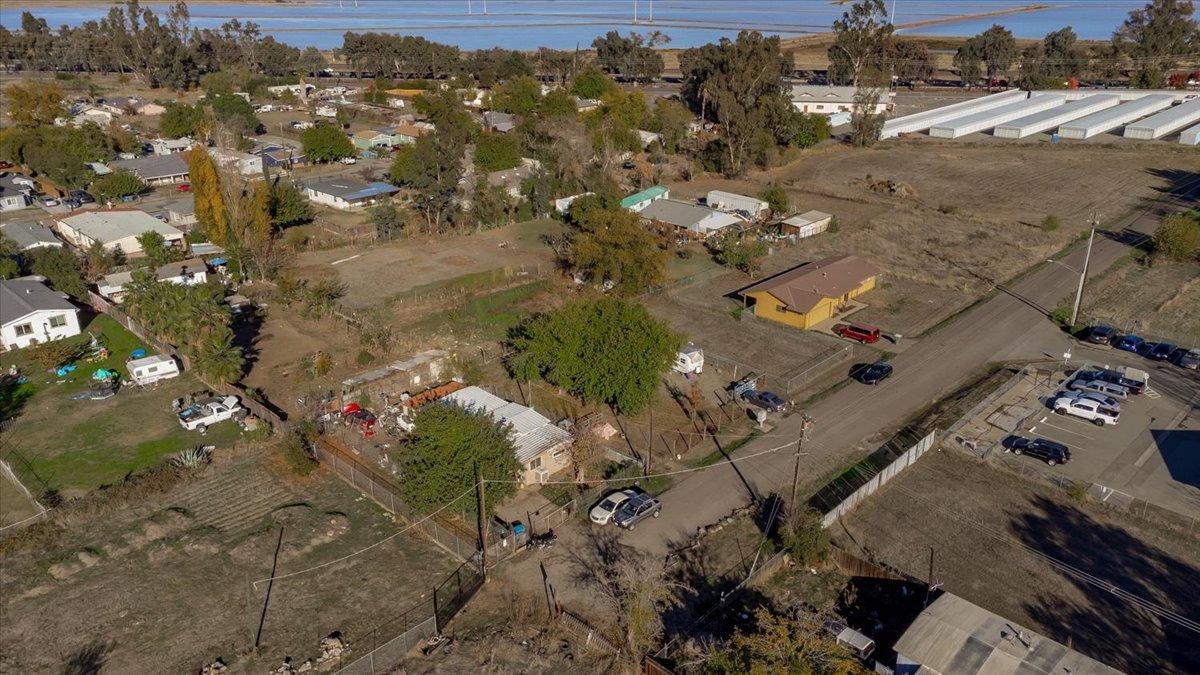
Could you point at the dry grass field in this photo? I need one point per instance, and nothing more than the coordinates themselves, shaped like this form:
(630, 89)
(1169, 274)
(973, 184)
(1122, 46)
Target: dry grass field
(164, 583)
(1159, 301)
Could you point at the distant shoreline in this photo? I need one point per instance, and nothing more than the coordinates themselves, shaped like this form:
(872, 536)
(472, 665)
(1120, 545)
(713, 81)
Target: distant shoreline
(32, 4)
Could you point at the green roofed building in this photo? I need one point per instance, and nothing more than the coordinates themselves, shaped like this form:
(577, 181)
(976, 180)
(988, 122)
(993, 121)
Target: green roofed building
(640, 200)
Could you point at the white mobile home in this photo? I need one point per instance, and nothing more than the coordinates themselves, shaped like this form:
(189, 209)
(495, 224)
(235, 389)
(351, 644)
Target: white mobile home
(152, 369)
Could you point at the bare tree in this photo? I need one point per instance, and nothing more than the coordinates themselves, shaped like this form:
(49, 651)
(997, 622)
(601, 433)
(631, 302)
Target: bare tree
(636, 588)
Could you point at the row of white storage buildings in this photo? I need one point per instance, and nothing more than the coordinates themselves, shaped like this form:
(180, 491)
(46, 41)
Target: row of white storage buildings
(1074, 114)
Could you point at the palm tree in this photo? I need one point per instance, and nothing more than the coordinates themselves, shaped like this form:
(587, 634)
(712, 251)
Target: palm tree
(218, 358)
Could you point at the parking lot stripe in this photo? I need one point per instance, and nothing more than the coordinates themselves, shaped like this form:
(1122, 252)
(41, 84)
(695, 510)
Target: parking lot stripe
(1145, 456)
(1069, 431)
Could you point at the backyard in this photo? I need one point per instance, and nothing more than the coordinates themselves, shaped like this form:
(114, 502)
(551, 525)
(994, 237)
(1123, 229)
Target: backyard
(109, 438)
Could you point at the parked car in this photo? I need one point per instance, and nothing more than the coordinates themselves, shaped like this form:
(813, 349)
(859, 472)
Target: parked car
(1159, 351)
(203, 414)
(1131, 378)
(1100, 387)
(1106, 401)
(1046, 450)
(857, 332)
(636, 509)
(1129, 343)
(183, 187)
(765, 400)
(1101, 335)
(1186, 358)
(348, 160)
(1076, 404)
(602, 513)
(71, 203)
(872, 373)
(83, 196)
(49, 201)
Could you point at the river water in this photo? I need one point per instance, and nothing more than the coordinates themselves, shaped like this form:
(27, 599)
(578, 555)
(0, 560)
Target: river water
(564, 24)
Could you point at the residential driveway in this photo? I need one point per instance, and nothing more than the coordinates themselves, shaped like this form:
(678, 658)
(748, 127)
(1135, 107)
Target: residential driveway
(1012, 324)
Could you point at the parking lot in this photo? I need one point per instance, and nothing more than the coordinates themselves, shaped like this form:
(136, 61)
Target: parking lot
(1150, 454)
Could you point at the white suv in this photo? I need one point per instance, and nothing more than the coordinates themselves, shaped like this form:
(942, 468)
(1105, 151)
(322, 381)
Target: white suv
(1079, 405)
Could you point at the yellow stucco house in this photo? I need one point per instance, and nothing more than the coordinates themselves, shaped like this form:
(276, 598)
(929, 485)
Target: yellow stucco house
(805, 296)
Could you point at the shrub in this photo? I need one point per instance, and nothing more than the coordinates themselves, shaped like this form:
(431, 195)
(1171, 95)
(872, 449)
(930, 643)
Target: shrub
(364, 357)
(948, 209)
(805, 539)
(294, 450)
(1050, 223)
(1178, 237)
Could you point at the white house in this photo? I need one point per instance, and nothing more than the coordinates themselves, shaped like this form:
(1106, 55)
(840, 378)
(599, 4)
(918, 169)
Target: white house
(325, 111)
(245, 163)
(539, 445)
(827, 100)
(733, 202)
(696, 219)
(170, 146)
(32, 313)
(191, 272)
(346, 192)
(156, 169)
(28, 236)
(16, 191)
(115, 230)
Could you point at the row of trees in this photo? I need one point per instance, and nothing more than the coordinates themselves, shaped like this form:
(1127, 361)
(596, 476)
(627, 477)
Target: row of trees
(157, 50)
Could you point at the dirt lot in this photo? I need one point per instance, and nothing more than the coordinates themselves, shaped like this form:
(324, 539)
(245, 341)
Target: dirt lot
(1159, 301)
(164, 584)
(963, 216)
(1005, 544)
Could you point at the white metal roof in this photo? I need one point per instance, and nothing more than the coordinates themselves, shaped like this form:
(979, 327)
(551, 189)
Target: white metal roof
(806, 218)
(986, 119)
(148, 361)
(1107, 120)
(1165, 122)
(531, 432)
(1190, 136)
(1052, 118)
(110, 226)
(924, 120)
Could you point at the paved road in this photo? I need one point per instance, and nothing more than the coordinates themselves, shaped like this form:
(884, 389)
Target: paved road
(1012, 324)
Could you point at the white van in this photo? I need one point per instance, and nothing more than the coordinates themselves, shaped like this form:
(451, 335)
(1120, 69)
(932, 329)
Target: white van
(151, 369)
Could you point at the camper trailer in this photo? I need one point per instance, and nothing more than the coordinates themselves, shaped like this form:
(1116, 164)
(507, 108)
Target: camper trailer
(151, 369)
(689, 360)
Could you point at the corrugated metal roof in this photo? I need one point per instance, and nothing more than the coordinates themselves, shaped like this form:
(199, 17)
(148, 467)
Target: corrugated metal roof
(955, 637)
(532, 433)
(649, 193)
(116, 224)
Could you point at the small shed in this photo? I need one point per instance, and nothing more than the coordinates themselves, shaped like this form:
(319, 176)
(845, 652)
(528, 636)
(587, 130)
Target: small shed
(151, 369)
(805, 224)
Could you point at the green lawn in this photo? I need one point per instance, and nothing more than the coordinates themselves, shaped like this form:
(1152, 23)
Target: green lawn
(77, 446)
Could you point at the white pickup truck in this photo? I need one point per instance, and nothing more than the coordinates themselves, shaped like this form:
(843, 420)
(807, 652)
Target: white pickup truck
(1077, 404)
(205, 413)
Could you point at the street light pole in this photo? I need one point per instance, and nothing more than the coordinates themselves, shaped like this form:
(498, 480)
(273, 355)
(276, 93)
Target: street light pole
(1087, 259)
(805, 425)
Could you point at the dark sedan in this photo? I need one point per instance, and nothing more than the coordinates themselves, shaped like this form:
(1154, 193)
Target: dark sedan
(1129, 343)
(1101, 335)
(765, 400)
(1159, 351)
(872, 373)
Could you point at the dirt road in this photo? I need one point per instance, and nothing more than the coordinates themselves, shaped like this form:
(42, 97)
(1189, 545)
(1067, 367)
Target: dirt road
(1011, 324)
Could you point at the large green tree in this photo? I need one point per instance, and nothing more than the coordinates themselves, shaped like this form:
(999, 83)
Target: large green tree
(61, 268)
(111, 187)
(632, 57)
(1158, 37)
(496, 152)
(860, 42)
(606, 351)
(738, 85)
(325, 143)
(448, 444)
(181, 120)
(614, 246)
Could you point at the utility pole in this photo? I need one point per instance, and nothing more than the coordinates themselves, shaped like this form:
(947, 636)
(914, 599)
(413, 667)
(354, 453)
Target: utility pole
(481, 523)
(651, 11)
(805, 425)
(929, 581)
(635, 11)
(1087, 259)
(650, 446)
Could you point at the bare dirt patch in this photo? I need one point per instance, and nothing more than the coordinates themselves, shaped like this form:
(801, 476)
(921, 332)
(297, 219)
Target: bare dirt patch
(170, 590)
(1005, 544)
(1159, 301)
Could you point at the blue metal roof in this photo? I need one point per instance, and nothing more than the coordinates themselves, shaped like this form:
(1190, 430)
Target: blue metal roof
(375, 189)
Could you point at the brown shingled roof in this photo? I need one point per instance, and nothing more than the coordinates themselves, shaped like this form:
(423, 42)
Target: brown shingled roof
(802, 288)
